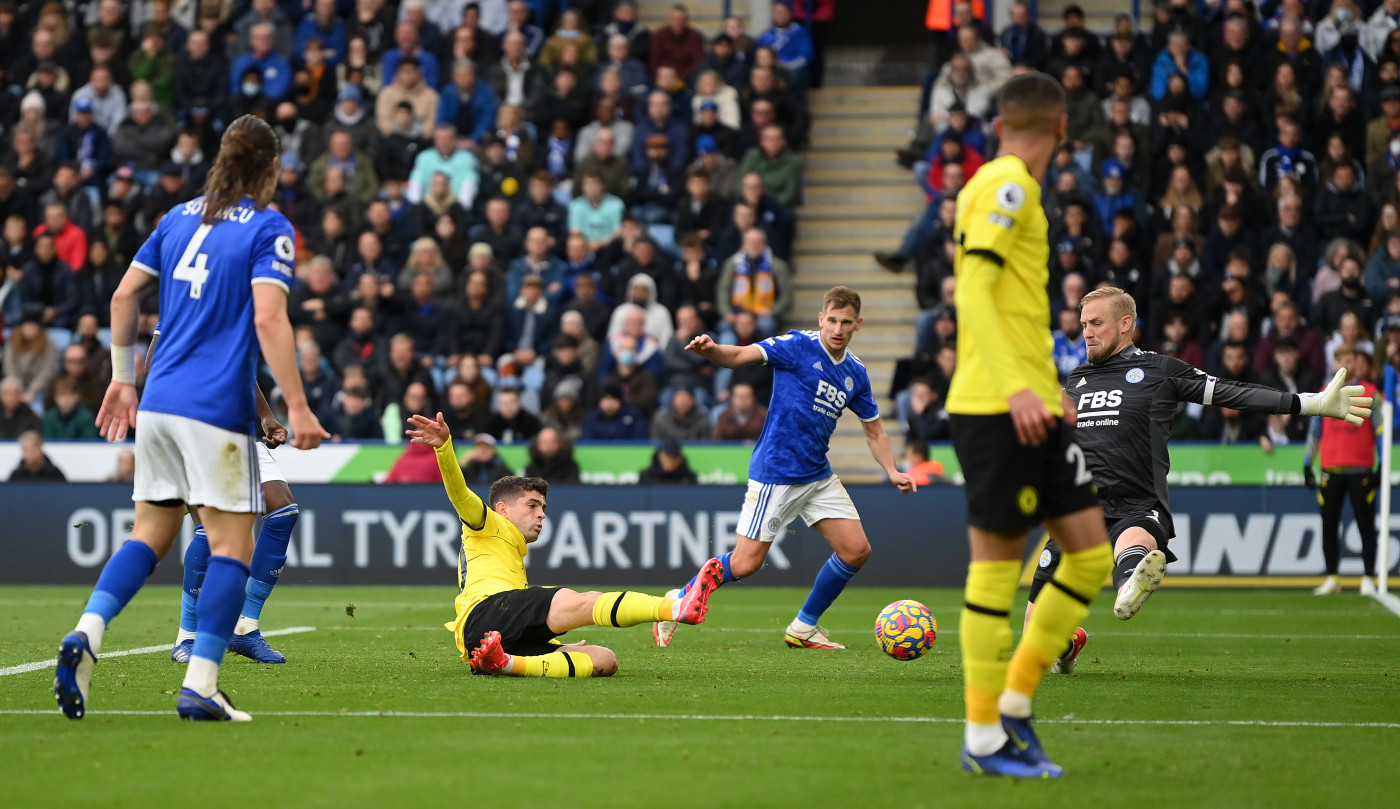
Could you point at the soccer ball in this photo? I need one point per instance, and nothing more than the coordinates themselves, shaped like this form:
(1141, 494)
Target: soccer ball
(905, 630)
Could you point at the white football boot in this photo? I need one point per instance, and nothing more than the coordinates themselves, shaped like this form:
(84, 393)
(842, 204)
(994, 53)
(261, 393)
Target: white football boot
(1146, 578)
(662, 631)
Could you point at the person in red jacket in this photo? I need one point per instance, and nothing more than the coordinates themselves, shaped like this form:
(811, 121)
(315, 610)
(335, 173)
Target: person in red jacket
(951, 150)
(69, 240)
(417, 464)
(1347, 454)
(677, 45)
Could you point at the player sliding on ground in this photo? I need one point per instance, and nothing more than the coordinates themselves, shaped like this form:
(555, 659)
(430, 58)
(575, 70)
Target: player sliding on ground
(505, 626)
(223, 262)
(1018, 457)
(269, 554)
(1126, 399)
(815, 378)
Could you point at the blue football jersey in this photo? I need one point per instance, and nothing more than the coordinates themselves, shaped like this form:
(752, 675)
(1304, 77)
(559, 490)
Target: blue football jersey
(206, 362)
(810, 391)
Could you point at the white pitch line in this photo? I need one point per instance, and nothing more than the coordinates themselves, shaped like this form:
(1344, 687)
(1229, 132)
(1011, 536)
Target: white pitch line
(1389, 601)
(918, 720)
(24, 668)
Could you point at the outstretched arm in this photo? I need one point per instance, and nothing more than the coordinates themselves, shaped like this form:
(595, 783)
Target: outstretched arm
(471, 510)
(726, 356)
(1336, 401)
(879, 442)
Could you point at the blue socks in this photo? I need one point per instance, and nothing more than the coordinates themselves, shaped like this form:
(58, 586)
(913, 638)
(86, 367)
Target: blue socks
(269, 557)
(196, 562)
(831, 580)
(728, 574)
(121, 578)
(219, 601)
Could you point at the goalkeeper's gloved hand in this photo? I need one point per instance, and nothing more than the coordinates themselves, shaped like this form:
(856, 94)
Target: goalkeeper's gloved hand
(1309, 479)
(1337, 401)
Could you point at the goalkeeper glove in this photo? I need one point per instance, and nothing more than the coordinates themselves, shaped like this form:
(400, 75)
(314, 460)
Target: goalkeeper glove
(1337, 401)
(1309, 479)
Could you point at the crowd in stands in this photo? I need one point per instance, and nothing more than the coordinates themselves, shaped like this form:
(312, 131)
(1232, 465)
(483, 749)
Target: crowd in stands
(1233, 166)
(518, 213)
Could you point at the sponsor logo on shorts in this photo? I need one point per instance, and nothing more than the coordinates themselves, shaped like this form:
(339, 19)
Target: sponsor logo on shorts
(1028, 500)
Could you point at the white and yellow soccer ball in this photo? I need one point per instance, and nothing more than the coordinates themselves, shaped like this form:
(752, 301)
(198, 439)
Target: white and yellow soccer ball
(905, 630)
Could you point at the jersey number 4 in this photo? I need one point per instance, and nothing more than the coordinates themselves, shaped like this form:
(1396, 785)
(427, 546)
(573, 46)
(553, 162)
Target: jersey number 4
(194, 265)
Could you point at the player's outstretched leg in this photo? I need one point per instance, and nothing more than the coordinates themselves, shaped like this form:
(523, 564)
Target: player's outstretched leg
(121, 578)
(196, 565)
(1141, 573)
(269, 558)
(663, 631)
(1065, 664)
(489, 657)
(629, 609)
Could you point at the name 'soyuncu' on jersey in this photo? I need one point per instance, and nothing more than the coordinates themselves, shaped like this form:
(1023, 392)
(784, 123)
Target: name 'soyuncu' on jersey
(205, 364)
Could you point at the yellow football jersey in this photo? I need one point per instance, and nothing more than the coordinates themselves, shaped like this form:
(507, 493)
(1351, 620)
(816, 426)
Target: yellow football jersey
(1004, 342)
(492, 556)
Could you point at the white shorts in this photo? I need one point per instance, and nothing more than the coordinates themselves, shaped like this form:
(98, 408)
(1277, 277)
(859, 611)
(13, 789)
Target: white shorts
(268, 470)
(198, 464)
(770, 507)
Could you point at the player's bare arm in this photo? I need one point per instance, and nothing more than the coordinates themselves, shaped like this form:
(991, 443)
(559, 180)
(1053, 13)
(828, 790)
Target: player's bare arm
(117, 414)
(725, 356)
(275, 336)
(274, 434)
(879, 443)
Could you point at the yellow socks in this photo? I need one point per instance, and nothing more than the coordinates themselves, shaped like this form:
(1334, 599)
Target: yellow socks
(1061, 607)
(985, 635)
(554, 664)
(630, 609)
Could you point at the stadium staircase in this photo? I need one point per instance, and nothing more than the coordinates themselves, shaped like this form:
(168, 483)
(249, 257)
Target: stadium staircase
(1098, 14)
(705, 15)
(857, 200)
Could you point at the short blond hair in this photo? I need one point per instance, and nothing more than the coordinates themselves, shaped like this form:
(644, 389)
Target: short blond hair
(840, 297)
(1121, 302)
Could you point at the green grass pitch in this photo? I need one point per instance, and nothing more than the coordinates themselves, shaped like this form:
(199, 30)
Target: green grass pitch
(1207, 698)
